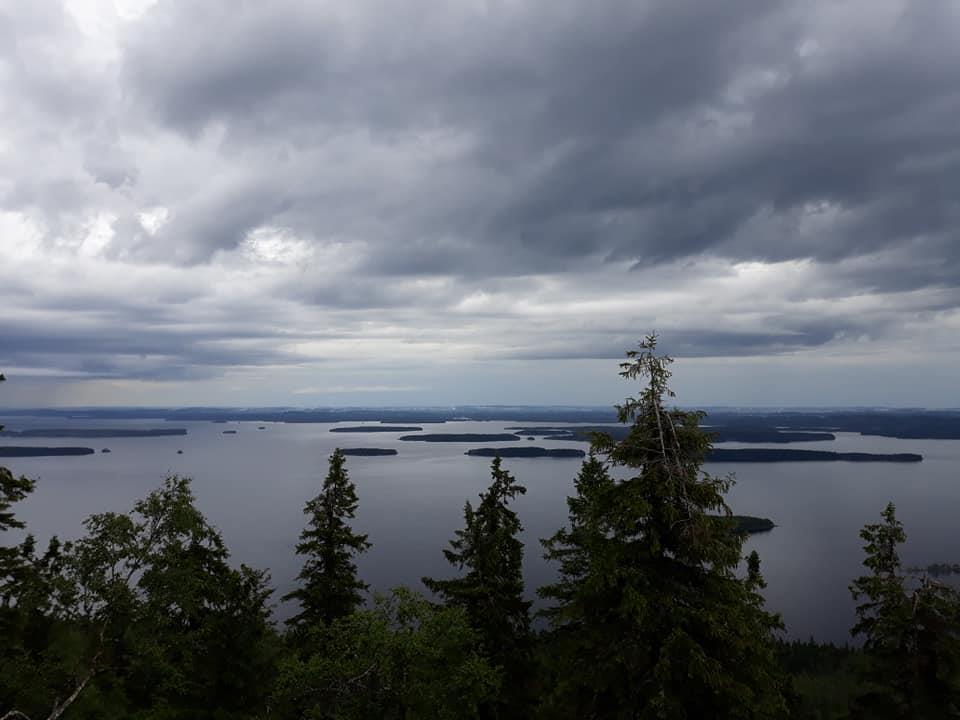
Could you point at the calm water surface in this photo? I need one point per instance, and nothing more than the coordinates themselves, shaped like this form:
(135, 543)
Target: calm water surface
(253, 485)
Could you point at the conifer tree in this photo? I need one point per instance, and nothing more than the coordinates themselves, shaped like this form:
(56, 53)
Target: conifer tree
(329, 586)
(911, 636)
(649, 619)
(12, 490)
(491, 590)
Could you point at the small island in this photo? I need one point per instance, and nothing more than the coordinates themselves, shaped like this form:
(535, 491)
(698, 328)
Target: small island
(10, 451)
(577, 433)
(770, 455)
(94, 432)
(724, 435)
(368, 452)
(745, 524)
(748, 525)
(584, 433)
(377, 429)
(527, 452)
(462, 437)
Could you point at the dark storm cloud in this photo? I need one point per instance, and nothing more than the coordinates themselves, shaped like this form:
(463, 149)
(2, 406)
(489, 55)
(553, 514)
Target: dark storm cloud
(703, 342)
(137, 350)
(606, 121)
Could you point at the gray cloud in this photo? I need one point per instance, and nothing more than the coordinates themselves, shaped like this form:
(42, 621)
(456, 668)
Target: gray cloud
(507, 180)
(649, 132)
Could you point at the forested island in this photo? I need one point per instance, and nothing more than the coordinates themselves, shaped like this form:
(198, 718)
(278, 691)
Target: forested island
(724, 435)
(749, 525)
(368, 452)
(767, 455)
(584, 433)
(580, 433)
(377, 429)
(461, 437)
(26, 451)
(527, 452)
(94, 433)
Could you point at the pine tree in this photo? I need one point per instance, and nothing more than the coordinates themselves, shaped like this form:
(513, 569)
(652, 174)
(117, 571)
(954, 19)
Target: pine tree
(491, 589)
(911, 636)
(329, 586)
(649, 619)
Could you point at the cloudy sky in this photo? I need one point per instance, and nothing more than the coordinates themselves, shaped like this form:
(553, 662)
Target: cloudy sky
(363, 202)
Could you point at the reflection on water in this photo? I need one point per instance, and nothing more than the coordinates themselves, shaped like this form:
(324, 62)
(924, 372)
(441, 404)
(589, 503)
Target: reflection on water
(252, 485)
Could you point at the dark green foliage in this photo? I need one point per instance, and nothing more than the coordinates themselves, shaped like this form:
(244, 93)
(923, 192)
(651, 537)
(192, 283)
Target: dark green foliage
(649, 619)
(403, 660)
(748, 524)
(144, 618)
(824, 678)
(491, 589)
(329, 587)
(12, 490)
(911, 634)
(200, 646)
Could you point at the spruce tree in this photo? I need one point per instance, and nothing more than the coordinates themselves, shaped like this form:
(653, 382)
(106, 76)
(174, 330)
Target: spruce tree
(329, 586)
(12, 490)
(649, 618)
(911, 634)
(491, 590)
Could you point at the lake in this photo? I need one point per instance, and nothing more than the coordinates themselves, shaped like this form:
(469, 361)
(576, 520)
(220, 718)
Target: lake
(252, 486)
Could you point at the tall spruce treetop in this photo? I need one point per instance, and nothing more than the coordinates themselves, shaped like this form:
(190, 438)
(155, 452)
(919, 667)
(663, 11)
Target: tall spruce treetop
(650, 619)
(329, 586)
(489, 549)
(911, 634)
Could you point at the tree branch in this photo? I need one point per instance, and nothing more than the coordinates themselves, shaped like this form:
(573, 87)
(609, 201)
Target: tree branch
(15, 715)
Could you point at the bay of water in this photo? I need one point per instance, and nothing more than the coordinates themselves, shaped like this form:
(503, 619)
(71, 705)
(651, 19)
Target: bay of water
(252, 486)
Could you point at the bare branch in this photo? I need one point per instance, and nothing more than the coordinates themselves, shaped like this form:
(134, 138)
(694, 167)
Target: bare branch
(14, 714)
